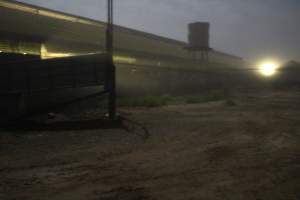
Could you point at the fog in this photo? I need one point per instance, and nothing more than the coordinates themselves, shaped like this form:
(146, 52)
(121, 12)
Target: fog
(253, 29)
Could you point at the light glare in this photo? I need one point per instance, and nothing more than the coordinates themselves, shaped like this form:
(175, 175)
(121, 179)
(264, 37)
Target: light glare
(268, 69)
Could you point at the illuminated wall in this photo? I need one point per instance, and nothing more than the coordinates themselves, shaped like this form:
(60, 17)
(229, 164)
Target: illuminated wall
(20, 47)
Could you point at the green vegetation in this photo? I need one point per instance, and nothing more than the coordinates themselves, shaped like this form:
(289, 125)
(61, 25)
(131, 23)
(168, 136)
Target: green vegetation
(208, 97)
(230, 103)
(159, 101)
(148, 101)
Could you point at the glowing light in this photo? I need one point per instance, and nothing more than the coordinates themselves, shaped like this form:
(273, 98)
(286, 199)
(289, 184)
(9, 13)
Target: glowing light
(1, 51)
(268, 68)
(45, 54)
(124, 59)
(24, 53)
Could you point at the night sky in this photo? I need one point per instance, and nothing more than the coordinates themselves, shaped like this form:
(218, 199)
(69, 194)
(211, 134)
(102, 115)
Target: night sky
(255, 30)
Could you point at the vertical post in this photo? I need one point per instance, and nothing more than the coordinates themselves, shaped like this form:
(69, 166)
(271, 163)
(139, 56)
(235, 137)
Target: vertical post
(111, 69)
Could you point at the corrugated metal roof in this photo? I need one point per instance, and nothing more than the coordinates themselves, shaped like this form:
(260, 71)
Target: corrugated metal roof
(36, 10)
(46, 12)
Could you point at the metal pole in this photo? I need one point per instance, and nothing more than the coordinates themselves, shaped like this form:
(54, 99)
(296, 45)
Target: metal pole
(111, 72)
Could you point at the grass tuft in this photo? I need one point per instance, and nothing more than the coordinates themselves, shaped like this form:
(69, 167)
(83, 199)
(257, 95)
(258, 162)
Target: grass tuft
(148, 101)
(164, 100)
(230, 103)
(208, 97)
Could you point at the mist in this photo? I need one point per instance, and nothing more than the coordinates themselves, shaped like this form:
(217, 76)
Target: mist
(254, 30)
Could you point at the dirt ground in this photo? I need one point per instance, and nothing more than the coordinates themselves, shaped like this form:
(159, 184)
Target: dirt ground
(210, 151)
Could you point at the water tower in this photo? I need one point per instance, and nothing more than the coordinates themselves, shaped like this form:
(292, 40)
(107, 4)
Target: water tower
(199, 40)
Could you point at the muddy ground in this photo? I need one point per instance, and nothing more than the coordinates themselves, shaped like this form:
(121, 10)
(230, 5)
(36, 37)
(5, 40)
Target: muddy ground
(209, 151)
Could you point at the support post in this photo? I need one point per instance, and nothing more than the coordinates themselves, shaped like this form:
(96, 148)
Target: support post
(111, 69)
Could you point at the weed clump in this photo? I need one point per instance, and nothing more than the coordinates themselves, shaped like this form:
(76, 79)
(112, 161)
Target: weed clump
(148, 101)
(230, 103)
(164, 100)
(208, 97)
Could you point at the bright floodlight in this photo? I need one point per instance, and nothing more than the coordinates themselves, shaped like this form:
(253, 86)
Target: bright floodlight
(268, 68)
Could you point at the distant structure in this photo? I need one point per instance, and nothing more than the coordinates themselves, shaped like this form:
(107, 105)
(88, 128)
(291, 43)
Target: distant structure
(288, 75)
(199, 40)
